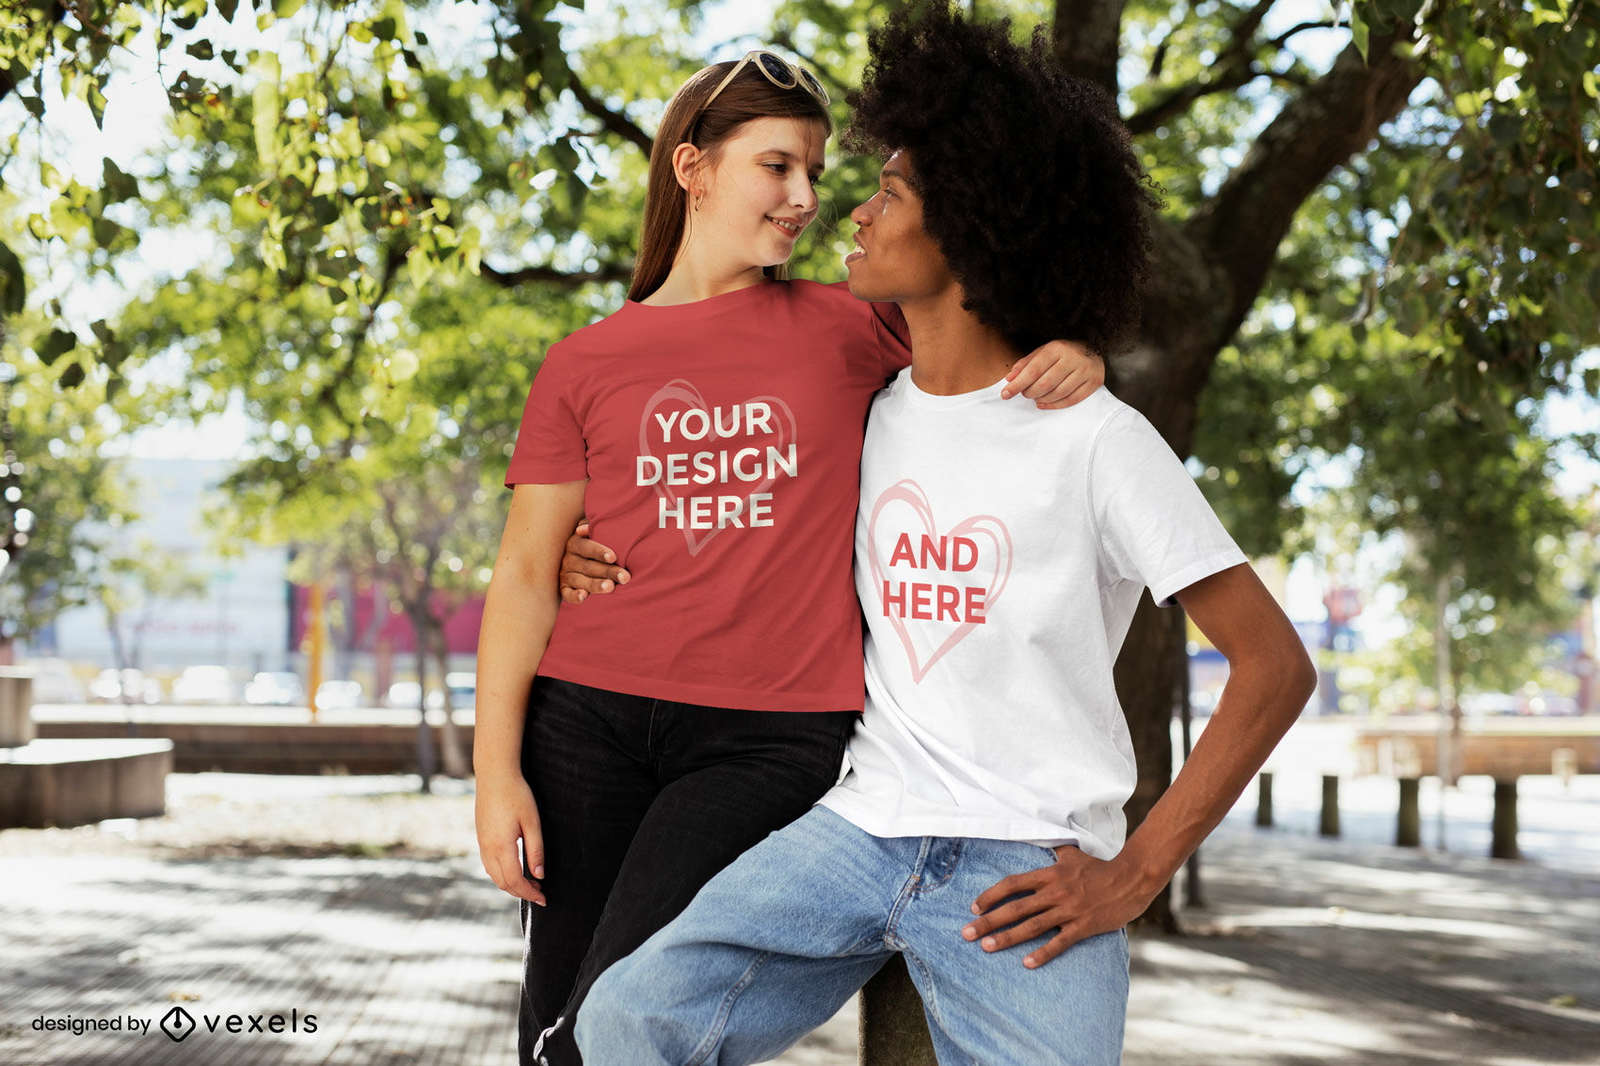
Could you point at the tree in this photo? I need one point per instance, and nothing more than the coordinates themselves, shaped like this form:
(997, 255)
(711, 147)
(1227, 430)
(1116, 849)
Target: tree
(128, 586)
(58, 488)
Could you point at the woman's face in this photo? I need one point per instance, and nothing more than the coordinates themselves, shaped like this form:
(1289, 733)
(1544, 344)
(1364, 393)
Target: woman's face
(758, 194)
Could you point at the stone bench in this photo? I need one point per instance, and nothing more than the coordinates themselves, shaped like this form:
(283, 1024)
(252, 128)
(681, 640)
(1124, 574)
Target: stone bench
(75, 782)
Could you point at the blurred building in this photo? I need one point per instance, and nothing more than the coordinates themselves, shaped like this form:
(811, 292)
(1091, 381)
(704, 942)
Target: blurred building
(248, 617)
(1208, 669)
(239, 620)
(370, 640)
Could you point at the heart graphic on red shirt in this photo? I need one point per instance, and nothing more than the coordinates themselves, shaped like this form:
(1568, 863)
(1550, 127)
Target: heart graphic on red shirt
(679, 392)
(910, 493)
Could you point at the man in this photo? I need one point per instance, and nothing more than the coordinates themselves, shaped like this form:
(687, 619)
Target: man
(1000, 553)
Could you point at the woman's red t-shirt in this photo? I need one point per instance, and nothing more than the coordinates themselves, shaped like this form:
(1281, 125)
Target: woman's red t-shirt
(722, 444)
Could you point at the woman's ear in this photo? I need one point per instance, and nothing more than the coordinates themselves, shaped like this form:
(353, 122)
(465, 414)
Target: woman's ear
(686, 160)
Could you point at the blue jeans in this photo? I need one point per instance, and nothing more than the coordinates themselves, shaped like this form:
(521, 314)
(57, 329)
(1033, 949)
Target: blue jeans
(775, 944)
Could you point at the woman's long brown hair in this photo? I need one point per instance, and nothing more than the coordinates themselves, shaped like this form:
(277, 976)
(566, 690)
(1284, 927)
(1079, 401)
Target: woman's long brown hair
(748, 96)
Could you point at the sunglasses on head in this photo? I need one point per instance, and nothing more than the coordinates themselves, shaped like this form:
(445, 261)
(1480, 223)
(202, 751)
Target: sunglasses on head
(778, 70)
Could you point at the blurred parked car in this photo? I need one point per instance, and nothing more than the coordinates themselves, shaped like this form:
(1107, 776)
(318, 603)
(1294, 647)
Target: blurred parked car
(54, 682)
(338, 694)
(1549, 703)
(275, 687)
(203, 684)
(463, 692)
(110, 685)
(1486, 703)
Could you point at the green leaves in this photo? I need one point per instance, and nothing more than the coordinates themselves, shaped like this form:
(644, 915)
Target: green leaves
(264, 105)
(56, 344)
(13, 283)
(115, 186)
(354, 183)
(1360, 33)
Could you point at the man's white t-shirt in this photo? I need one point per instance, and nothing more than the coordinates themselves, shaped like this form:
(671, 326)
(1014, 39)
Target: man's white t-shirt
(1000, 553)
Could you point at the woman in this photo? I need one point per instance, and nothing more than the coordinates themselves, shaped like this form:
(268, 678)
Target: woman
(711, 430)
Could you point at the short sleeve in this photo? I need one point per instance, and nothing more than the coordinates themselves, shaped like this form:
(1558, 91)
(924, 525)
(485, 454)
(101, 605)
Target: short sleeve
(894, 337)
(550, 446)
(1155, 526)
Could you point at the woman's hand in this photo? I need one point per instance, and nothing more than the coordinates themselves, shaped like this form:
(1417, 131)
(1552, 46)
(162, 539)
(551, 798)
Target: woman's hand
(505, 815)
(588, 566)
(1057, 375)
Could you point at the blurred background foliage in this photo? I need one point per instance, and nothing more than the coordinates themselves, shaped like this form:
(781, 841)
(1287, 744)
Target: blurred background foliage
(367, 220)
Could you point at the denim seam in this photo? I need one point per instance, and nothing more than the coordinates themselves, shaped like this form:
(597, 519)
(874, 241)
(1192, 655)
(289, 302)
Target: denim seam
(650, 731)
(930, 1000)
(720, 1024)
(907, 891)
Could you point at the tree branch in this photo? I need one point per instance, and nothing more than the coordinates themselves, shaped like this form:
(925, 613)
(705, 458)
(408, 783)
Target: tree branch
(786, 39)
(1283, 38)
(1234, 68)
(1178, 100)
(614, 121)
(1238, 230)
(550, 275)
(1087, 37)
(394, 259)
(1242, 34)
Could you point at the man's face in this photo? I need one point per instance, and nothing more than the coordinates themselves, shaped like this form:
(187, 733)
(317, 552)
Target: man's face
(896, 260)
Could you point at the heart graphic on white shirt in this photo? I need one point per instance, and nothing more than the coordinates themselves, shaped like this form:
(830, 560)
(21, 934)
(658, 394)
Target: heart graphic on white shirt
(910, 493)
(679, 391)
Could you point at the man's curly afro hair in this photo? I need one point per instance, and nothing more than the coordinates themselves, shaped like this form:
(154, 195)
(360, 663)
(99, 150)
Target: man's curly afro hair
(1028, 179)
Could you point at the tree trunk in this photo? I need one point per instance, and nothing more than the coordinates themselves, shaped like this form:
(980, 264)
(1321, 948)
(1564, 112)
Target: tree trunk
(119, 656)
(893, 1025)
(426, 764)
(454, 763)
(1192, 895)
(1149, 676)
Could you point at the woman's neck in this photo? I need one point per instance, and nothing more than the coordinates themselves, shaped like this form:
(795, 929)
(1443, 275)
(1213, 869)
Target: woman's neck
(698, 274)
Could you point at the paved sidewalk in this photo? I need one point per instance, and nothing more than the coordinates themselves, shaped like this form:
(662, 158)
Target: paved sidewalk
(1309, 951)
(1313, 951)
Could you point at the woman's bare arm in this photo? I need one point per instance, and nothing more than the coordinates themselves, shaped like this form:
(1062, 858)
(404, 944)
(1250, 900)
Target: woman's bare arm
(518, 615)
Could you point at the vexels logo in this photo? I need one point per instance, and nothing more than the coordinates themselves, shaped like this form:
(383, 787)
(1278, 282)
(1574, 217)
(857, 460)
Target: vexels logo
(177, 1023)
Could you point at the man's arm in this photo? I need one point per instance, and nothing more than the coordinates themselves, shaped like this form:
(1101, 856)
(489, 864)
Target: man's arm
(1270, 678)
(588, 566)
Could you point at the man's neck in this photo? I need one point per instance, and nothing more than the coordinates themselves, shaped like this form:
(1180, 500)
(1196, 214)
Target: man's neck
(951, 351)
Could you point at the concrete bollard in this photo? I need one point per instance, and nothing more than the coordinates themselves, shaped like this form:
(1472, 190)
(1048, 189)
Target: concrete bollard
(894, 1029)
(1330, 806)
(17, 728)
(1408, 825)
(1564, 764)
(1503, 830)
(1264, 800)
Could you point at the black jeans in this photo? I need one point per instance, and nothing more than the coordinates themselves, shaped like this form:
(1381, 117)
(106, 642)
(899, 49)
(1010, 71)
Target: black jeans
(641, 802)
